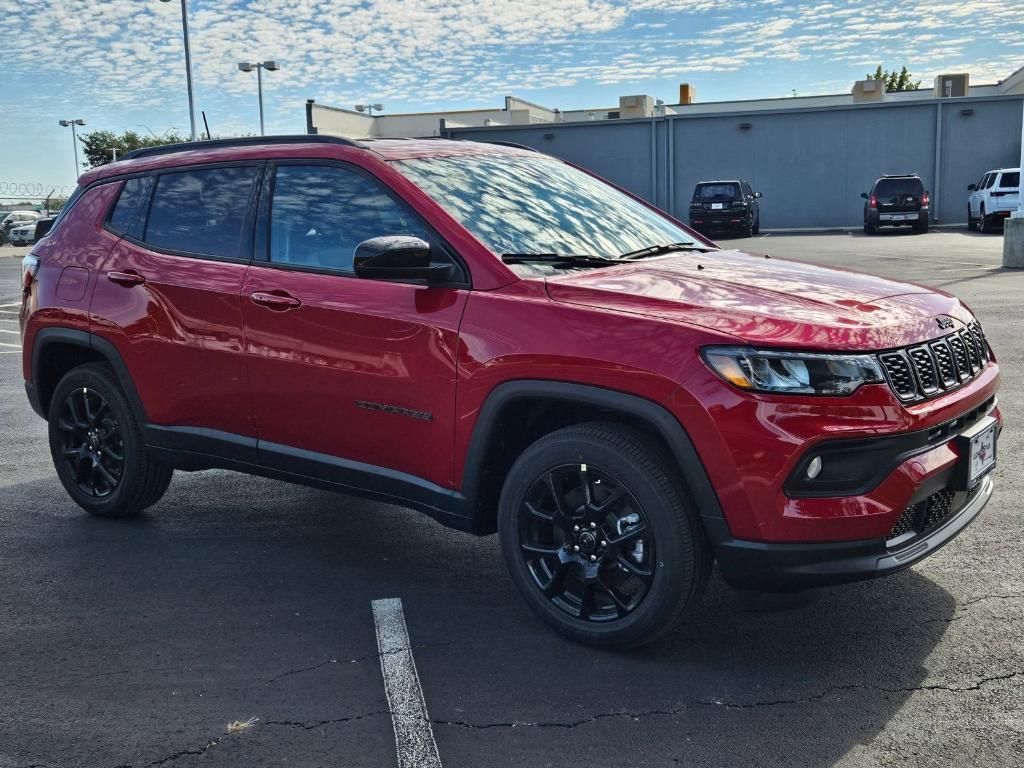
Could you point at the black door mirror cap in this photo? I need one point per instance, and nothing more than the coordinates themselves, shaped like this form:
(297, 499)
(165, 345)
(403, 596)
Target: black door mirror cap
(397, 257)
(864, 195)
(972, 187)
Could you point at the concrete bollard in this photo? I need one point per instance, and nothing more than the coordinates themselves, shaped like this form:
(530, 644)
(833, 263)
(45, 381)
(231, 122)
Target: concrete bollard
(1013, 243)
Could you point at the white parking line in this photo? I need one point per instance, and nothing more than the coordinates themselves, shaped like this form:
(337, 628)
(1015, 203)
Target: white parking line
(414, 738)
(12, 304)
(4, 330)
(5, 344)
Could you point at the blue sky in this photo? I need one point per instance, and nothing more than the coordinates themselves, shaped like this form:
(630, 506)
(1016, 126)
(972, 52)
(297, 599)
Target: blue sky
(118, 63)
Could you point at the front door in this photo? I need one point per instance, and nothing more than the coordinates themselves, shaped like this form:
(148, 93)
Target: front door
(347, 374)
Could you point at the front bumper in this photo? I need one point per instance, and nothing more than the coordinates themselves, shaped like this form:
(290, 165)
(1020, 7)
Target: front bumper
(770, 566)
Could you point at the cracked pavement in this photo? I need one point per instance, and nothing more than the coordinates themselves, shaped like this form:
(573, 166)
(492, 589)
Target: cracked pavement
(133, 643)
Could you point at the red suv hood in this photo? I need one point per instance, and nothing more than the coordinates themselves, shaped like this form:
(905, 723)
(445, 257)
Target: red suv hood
(763, 301)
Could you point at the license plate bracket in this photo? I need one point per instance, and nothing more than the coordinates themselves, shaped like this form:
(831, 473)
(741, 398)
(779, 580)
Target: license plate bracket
(977, 453)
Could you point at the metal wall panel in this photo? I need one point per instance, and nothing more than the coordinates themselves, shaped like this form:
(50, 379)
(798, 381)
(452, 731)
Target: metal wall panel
(810, 164)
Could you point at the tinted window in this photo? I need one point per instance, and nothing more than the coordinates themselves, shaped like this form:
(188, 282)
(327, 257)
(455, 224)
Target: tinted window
(990, 180)
(536, 204)
(889, 187)
(320, 213)
(1010, 180)
(128, 215)
(726, 191)
(201, 211)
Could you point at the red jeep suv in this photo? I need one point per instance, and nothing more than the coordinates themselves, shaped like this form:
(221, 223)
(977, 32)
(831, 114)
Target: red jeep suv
(507, 343)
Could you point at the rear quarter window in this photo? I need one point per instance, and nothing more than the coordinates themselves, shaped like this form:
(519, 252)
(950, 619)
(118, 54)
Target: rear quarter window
(129, 214)
(1010, 180)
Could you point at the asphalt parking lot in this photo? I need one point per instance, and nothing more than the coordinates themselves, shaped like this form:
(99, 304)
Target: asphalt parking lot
(134, 643)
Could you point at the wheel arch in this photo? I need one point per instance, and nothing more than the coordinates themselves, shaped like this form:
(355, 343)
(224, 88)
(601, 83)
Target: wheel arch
(56, 351)
(517, 413)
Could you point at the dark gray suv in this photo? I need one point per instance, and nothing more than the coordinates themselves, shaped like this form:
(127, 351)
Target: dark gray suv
(896, 201)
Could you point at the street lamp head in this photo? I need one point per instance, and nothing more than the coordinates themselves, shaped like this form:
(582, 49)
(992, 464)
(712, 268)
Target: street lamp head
(79, 121)
(270, 66)
(63, 123)
(360, 107)
(378, 107)
(245, 66)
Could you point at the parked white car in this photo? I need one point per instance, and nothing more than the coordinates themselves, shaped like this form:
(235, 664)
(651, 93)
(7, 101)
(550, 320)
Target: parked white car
(993, 199)
(23, 234)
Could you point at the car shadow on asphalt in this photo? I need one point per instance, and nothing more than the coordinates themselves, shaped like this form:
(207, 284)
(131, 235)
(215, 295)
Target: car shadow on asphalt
(246, 597)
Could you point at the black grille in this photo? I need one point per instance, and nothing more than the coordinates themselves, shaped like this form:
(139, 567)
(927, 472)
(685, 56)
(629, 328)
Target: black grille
(924, 516)
(924, 367)
(900, 376)
(944, 364)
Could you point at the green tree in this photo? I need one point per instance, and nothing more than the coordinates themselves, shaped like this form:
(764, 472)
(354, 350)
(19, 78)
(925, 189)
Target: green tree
(99, 146)
(895, 81)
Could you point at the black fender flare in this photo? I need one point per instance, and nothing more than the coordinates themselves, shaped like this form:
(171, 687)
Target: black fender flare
(102, 347)
(650, 413)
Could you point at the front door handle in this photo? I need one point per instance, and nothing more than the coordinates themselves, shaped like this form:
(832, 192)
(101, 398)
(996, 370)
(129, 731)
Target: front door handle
(128, 278)
(280, 301)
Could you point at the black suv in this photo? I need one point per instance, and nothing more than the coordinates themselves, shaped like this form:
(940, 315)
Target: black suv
(725, 205)
(896, 201)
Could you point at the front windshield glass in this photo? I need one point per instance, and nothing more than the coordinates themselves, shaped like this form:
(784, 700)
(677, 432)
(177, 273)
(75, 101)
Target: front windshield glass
(530, 205)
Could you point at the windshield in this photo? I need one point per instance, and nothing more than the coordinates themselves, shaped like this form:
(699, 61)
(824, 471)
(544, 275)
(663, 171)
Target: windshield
(726, 191)
(539, 205)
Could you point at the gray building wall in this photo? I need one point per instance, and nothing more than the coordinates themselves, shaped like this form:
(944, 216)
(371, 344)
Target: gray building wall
(810, 164)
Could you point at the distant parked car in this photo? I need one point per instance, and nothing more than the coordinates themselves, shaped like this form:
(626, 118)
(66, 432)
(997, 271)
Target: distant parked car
(725, 205)
(16, 218)
(22, 234)
(993, 198)
(896, 201)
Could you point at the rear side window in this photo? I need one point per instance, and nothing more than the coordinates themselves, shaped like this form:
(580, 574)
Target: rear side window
(725, 191)
(887, 187)
(320, 213)
(129, 214)
(1010, 180)
(202, 212)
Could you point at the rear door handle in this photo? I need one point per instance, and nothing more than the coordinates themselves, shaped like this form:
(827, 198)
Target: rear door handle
(128, 278)
(276, 301)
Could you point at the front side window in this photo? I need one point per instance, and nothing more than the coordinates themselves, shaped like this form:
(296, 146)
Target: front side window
(202, 211)
(320, 213)
(535, 205)
(129, 214)
(990, 180)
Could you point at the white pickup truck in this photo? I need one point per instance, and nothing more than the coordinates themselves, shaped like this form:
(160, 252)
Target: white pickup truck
(993, 199)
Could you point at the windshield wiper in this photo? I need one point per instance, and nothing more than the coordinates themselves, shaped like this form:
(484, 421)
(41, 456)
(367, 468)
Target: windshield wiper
(557, 259)
(657, 250)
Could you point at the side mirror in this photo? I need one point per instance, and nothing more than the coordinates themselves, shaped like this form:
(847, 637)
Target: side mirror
(397, 257)
(972, 187)
(864, 195)
(757, 194)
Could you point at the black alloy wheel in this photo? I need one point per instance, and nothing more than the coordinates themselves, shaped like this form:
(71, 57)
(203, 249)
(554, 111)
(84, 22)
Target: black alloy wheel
(97, 446)
(91, 443)
(586, 542)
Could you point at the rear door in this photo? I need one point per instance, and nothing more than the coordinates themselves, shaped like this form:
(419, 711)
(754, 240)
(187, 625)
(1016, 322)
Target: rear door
(349, 375)
(168, 293)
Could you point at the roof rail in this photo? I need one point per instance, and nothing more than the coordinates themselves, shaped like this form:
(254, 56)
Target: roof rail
(244, 141)
(507, 144)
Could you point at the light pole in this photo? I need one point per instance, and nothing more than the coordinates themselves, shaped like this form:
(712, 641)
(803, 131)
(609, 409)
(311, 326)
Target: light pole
(188, 65)
(74, 139)
(368, 108)
(259, 66)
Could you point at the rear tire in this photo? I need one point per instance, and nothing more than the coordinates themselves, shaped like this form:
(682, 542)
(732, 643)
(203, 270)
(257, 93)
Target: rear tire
(870, 229)
(921, 228)
(600, 538)
(97, 446)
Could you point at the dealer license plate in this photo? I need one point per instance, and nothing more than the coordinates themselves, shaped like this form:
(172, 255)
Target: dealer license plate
(717, 206)
(982, 454)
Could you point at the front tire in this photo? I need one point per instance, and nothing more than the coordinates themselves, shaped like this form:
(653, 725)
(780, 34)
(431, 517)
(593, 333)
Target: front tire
(97, 446)
(600, 537)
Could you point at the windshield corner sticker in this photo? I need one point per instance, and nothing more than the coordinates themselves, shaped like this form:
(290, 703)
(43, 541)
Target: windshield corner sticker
(396, 409)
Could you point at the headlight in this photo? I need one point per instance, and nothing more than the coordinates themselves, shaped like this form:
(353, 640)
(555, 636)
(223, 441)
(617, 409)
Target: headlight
(794, 373)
